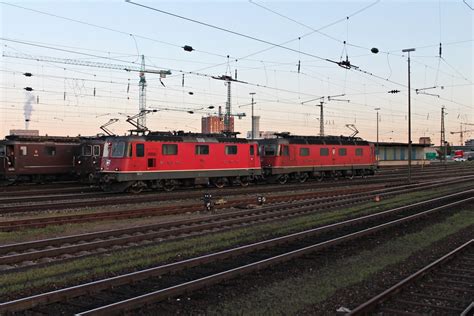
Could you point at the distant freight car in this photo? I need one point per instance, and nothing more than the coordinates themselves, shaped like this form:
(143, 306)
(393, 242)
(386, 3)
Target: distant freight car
(302, 157)
(36, 158)
(88, 158)
(166, 160)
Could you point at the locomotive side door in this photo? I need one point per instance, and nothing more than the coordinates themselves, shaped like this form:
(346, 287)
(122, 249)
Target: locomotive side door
(10, 157)
(333, 155)
(252, 155)
(139, 161)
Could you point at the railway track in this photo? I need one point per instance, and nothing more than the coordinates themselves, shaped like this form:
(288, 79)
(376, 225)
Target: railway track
(94, 199)
(11, 225)
(44, 252)
(239, 201)
(444, 287)
(137, 289)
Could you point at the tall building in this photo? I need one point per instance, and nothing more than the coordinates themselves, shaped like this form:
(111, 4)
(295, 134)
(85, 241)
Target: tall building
(215, 123)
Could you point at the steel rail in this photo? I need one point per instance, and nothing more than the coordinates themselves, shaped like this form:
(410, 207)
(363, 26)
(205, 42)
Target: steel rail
(110, 238)
(97, 216)
(165, 210)
(371, 304)
(150, 197)
(289, 201)
(96, 286)
(187, 287)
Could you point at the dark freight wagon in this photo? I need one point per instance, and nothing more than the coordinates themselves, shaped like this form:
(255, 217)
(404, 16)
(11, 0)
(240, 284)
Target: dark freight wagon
(36, 158)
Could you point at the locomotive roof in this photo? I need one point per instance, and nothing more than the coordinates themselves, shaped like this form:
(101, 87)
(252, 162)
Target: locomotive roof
(187, 137)
(42, 139)
(319, 140)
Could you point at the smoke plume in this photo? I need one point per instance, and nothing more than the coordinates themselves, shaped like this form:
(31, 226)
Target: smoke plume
(28, 108)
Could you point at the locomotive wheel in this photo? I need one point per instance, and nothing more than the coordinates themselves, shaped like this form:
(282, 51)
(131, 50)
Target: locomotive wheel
(136, 188)
(168, 186)
(363, 174)
(303, 177)
(321, 177)
(219, 183)
(244, 181)
(350, 175)
(283, 179)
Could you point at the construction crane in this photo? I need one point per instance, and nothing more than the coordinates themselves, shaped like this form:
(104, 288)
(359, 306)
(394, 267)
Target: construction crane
(228, 105)
(462, 132)
(141, 120)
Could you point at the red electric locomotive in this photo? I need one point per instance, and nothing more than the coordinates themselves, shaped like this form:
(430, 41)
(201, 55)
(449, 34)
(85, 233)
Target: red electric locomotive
(302, 157)
(36, 158)
(166, 160)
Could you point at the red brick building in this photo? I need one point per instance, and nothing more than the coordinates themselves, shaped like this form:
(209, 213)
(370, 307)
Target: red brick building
(215, 124)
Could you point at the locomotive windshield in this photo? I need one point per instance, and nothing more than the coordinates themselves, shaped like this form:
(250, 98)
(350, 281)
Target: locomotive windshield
(269, 150)
(87, 150)
(118, 149)
(2, 150)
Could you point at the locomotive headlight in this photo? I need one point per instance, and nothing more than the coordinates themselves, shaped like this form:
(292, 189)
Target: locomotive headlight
(117, 169)
(102, 169)
(79, 162)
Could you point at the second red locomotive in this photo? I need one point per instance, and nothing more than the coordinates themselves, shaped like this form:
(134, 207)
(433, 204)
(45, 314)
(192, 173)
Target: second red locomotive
(302, 157)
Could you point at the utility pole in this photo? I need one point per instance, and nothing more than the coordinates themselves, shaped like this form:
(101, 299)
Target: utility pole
(227, 108)
(321, 119)
(443, 135)
(377, 147)
(253, 118)
(409, 113)
(142, 95)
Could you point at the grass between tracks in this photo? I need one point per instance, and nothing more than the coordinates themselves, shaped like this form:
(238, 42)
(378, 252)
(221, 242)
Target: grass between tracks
(86, 269)
(298, 293)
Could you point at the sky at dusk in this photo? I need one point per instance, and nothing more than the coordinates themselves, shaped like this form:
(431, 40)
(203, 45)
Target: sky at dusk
(288, 53)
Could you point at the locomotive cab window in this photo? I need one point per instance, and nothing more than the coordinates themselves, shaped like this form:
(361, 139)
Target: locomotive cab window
(50, 150)
(86, 150)
(140, 150)
(118, 149)
(252, 151)
(324, 151)
(269, 150)
(96, 150)
(170, 149)
(359, 151)
(304, 151)
(3, 151)
(284, 150)
(202, 150)
(231, 150)
(342, 152)
(23, 150)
